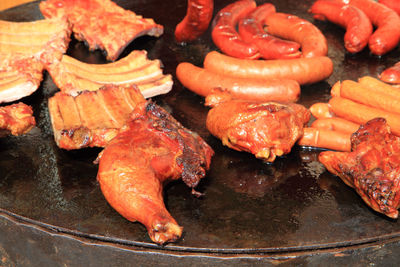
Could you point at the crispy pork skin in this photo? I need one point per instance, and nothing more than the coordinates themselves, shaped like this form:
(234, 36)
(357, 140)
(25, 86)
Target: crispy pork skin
(73, 76)
(16, 119)
(102, 24)
(151, 149)
(372, 167)
(266, 130)
(91, 118)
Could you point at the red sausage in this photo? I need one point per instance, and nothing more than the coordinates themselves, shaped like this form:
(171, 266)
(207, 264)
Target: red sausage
(198, 16)
(391, 75)
(302, 70)
(224, 34)
(393, 4)
(251, 29)
(387, 35)
(357, 24)
(313, 42)
(202, 82)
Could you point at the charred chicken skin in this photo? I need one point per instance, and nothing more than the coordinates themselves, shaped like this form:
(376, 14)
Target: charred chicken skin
(266, 130)
(372, 166)
(151, 149)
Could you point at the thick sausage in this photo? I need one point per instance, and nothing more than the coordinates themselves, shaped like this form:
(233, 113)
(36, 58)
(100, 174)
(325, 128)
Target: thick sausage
(387, 35)
(302, 70)
(313, 42)
(198, 16)
(393, 4)
(391, 74)
(202, 82)
(251, 29)
(224, 34)
(357, 24)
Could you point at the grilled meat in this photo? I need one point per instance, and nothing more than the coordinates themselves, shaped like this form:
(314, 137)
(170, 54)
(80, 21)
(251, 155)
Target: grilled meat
(372, 167)
(266, 130)
(150, 150)
(102, 24)
(46, 40)
(16, 119)
(73, 76)
(20, 76)
(26, 48)
(91, 118)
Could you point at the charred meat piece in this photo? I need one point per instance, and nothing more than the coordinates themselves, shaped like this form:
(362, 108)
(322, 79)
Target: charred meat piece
(102, 24)
(266, 130)
(150, 150)
(91, 118)
(46, 40)
(372, 167)
(73, 76)
(20, 76)
(16, 119)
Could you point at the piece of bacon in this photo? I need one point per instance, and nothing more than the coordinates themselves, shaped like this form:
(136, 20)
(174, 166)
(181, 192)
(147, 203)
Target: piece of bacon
(91, 119)
(102, 24)
(16, 119)
(73, 76)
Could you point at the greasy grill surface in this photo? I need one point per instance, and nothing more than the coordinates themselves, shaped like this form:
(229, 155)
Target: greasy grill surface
(248, 207)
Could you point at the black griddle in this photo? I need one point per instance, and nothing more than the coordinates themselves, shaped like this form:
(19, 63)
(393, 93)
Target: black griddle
(250, 209)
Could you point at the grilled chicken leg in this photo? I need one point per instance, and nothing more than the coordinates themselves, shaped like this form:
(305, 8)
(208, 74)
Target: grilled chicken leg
(150, 150)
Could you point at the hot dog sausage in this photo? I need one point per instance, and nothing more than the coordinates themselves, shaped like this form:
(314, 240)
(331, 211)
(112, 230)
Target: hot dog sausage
(302, 70)
(251, 29)
(357, 24)
(224, 34)
(202, 82)
(391, 75)
(313, 42)
(387, 35)
(198, 16)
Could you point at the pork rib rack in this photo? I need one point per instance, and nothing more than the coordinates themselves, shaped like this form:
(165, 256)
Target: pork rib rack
(73, 76)
(102, 24)
(26, 48)
(150, 150)
(91, 118)
(372, 167)
(46, 40)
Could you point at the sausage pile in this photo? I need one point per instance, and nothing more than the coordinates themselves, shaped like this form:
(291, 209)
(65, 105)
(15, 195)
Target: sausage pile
(352, 104)
(244, 32)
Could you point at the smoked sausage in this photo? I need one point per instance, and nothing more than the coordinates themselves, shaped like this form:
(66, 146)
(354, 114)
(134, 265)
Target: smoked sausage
(387, 35)
(202, 82)
(251, 29)
(313, 42)
(302, 70)
(391, 74)
(357, 24)
(224, 34)
(198, 16)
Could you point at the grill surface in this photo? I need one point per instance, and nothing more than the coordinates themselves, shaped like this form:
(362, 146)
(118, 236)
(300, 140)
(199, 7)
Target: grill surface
(249, 207)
